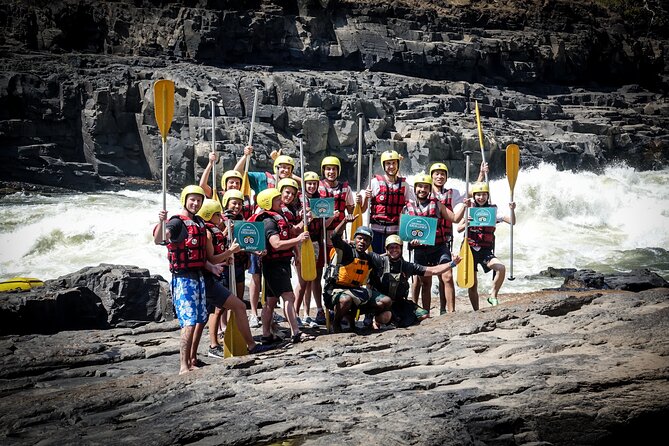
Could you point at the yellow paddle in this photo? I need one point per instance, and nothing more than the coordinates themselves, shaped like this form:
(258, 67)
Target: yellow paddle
(478, 124)
(355, 224)
(512, 165)
(307, 254)
(246, 187)
(233, 342)
(163, 100)
(465, 277)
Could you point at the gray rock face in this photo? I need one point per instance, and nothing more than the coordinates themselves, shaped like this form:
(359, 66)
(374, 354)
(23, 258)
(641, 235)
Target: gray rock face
(559, 368)
(572, 83)
(93, 297)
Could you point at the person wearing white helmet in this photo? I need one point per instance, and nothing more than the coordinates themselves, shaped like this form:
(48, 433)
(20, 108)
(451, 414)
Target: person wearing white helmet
(386, 196)
(426, 205)
(185, 237)
(393, 281)
(482, 242)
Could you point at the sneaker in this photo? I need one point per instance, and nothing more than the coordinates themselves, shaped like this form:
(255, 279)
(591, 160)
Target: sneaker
(311, 323)
(493, 301)
(422, 313)
(320, 317)
(253, 321)
(299, 322)
(216, 352)
(260, 348)
(279, 318)
(442, 311)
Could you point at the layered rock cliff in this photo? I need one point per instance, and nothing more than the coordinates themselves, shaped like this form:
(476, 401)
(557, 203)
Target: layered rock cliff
(580, 84)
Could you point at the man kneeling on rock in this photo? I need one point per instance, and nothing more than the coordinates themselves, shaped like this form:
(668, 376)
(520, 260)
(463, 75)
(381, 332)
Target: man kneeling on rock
(346, 278)
(392, 280)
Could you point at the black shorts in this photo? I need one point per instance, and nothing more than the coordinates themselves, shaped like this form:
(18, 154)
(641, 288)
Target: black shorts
(482, 257)
(216, 292)
(432, 255)
(277, 277)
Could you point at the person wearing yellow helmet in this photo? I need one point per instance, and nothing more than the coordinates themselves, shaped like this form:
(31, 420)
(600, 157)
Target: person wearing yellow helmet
(306, 289)
(426, 205)
(185, 237)
(231, 179)
(344, 199)
(283, 166)
(276, 265)
(393, 281)
(451, 198)
(386, 196)
(219, 296)
(482, 242)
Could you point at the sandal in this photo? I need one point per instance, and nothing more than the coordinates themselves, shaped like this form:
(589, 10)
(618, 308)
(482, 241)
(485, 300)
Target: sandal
(271, 339)
(493, 301)
(300, 336)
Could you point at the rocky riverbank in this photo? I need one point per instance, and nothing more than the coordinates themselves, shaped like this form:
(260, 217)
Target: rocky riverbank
(560, 368)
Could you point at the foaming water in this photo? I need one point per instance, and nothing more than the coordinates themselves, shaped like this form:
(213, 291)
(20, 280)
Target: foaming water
(616, 221)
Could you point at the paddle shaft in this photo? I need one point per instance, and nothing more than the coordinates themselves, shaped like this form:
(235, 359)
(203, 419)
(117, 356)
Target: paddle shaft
(511, 248)
(214, 194)
(370, 154)
(480, 130)
(253, 120)
(164, 181)
(360, 130)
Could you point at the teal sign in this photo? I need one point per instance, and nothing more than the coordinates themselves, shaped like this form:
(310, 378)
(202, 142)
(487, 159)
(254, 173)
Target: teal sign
(250, 235)
(322, 207)
(483, 216)
(423, 229)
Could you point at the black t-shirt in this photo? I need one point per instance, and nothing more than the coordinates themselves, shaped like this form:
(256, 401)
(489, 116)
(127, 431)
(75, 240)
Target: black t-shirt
(400, 272)
(177, 228)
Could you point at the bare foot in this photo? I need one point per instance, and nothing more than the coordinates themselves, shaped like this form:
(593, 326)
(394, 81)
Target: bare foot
(183, 371)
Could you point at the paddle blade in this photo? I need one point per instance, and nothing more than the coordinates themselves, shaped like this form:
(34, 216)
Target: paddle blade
(233, 342)
(465, 277)
(478, 124)
(163, 99)
(355, 224)
(512, 164)
(308, 261)
(246, 186)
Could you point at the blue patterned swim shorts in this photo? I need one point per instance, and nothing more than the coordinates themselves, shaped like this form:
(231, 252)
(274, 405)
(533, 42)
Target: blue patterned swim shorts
(188, 295)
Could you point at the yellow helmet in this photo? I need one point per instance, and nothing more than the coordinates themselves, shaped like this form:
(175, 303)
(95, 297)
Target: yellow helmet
(209, 208)
(422, 178)
(438, 166)
(394, 238)
(192, 189)
(265, 198)
(480, 187)
(232, 193)
(310, 176)
(283, 159)
(287, 182)
(230, 174)
(331, 161)
(390, 155)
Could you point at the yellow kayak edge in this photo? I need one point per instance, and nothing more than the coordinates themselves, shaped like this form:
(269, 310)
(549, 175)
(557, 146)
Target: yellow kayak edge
(20, 284)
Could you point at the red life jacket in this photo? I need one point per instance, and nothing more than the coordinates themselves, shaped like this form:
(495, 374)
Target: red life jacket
(242, 256)
(271, 180)
(218, 239)
(481, 236)
(389, 202)
(444, 226)
(191, 253)
(432, 210)
(339, 192)
(284, 234)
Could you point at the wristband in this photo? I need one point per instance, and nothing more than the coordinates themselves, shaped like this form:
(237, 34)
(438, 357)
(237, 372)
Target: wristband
(453, 264)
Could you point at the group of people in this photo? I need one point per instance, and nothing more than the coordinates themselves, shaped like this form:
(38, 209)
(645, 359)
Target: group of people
(364, 275)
